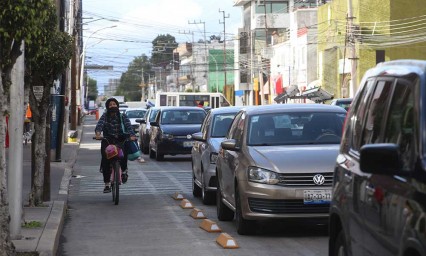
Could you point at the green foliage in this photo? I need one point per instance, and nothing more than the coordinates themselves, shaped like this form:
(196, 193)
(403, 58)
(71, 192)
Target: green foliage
(92, 89)
(32, 224)
(162, 50)
(131, 80)
(19, 20)
(48, 54)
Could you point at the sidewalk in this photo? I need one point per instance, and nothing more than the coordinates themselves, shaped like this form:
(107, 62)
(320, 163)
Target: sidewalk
(44, 240)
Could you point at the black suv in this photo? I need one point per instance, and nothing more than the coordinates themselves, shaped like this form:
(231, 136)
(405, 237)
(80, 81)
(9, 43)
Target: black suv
(379, 188)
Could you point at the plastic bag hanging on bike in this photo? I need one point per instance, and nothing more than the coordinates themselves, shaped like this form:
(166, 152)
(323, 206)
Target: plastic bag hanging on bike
(112, 151)
(132, 150)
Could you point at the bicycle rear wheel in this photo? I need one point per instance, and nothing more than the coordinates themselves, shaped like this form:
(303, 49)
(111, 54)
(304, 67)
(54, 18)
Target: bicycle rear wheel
(116, 183)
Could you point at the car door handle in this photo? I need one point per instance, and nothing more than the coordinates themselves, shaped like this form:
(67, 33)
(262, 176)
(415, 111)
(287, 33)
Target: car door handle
(348, 177)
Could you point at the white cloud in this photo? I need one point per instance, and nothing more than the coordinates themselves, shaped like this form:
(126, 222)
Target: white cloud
(175, 13)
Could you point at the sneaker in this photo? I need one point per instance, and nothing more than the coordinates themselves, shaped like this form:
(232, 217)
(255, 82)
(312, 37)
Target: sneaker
(107, 189)
(124, 177)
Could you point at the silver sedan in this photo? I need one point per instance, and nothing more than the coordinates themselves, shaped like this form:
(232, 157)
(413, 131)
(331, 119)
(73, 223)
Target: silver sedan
(205, 149)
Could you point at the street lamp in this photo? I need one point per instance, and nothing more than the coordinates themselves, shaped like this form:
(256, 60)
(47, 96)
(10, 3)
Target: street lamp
(83, 57)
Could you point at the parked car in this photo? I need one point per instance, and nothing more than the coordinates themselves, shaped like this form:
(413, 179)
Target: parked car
(343, 102)
(133, 114)
(122, 107)
(379, 191)
(276, 162)
(205, 149)
(145, 129)
(172, 129)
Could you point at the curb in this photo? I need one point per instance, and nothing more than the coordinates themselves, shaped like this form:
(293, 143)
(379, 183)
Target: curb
(49, 240)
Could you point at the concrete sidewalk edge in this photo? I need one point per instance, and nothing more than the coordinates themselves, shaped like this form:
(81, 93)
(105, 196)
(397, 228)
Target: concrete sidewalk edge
(49, 240)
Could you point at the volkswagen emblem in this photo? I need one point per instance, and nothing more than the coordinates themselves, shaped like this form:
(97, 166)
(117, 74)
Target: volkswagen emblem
(318, 179)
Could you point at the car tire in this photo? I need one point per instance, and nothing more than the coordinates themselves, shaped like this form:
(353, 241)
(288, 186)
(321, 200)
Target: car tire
(145, 149)
(208, 197)
(158, 155)
(340, 247)
(151, 153)
(196, 190)
(244, 227)
(223, 212)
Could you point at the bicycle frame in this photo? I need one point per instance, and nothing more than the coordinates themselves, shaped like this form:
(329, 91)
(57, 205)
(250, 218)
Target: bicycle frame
(116, 171)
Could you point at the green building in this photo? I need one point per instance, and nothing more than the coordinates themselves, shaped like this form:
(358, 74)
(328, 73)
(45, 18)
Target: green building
(382, 30)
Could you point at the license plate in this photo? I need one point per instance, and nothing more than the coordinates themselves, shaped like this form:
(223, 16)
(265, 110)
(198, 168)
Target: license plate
(317, 196)
(188, 144)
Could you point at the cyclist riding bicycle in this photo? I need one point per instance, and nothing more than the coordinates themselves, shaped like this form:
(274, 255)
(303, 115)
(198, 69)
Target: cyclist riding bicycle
(111, 125)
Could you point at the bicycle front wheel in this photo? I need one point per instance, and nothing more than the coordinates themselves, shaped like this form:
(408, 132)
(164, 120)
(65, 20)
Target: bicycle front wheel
(116, 184)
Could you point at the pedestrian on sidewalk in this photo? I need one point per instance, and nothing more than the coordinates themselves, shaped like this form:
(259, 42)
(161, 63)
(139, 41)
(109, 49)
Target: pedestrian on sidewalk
(110, 125)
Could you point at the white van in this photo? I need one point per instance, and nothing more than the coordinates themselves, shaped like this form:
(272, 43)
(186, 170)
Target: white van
(210, 99)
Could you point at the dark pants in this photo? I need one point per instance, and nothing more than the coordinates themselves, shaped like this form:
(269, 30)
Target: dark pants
(105, 163)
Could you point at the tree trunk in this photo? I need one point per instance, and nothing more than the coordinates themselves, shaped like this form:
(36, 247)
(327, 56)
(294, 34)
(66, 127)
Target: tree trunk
(39, 140)
(6, 246)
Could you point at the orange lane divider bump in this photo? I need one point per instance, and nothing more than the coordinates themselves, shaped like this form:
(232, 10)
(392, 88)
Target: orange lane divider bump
(210, 226)
(178, 196)
(198, 214)
(185, 204)
(226, 241)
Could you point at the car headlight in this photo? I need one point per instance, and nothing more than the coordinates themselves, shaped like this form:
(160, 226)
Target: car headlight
(166, 136)
(259, 175)
(213, 157)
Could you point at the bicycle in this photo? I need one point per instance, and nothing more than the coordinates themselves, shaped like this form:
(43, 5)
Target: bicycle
(115, 151)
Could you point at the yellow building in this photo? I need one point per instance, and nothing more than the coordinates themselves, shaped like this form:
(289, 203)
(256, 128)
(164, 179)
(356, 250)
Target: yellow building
(382, 30)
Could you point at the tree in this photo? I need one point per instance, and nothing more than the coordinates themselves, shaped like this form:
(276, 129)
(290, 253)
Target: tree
(162, 50)
(47, 57)
(214, 37)
(131, 80)
(19, 20)
(92, 89)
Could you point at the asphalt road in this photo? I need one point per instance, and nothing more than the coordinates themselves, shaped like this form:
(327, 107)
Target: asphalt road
(148, 221)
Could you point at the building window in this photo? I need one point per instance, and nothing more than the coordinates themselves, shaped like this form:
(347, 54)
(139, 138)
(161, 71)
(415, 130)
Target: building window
(272, 7)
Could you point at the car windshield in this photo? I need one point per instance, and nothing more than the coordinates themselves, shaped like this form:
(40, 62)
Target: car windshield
(221, 124)
(295, 128)
(182, 117)
(135, 113)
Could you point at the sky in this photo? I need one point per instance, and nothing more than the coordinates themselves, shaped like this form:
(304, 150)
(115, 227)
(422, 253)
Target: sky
(115, 32)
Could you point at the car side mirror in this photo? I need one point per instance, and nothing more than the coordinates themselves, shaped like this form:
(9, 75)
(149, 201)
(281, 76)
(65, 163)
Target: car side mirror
(154, 124)
(230, 144)
(382, 158)
(140, 120)
(198, 136)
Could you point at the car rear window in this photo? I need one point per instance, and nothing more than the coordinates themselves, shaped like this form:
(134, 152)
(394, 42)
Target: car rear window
(182, 117)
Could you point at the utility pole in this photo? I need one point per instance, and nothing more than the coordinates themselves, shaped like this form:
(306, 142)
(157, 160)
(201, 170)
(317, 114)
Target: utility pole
(224, 42)
(142, 85)
(205, 41)
(351, 39)
(15, 166)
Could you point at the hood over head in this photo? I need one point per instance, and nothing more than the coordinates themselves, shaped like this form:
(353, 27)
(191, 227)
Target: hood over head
(109, 100)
